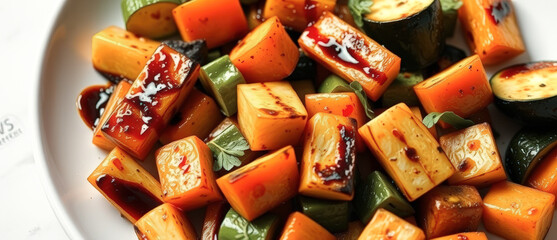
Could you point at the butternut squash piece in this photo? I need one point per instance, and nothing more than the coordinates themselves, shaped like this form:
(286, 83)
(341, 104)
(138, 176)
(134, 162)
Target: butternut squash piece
(350, 54)
(126, 185)
(297, 14)
(270, 115)
(198, 116)
(449, 209)
(186, 173)
(491, 29)
(266, 54)
(407, 151)
(117, 96)
(385, 225)
(514, 211)
(300, 227)
(462, 88)
(216, 21)
(327, 168)
(544, 176)
(154, 97)
(116, 51)
(474, 154)
(165, 222)
(258, 187)
(464, 236)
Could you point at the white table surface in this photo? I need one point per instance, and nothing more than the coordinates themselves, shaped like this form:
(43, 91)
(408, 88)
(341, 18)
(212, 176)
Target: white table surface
(24, 209)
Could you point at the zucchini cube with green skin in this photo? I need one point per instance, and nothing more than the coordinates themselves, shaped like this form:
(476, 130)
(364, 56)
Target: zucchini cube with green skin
(150, 18)
(332, 215)
(220, 78)
(234, 226)
(165, 222)
(376, 192)
(401, 90)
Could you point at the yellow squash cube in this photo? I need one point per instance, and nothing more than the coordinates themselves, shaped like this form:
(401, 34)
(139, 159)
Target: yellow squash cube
(386, 225)
(165, 222)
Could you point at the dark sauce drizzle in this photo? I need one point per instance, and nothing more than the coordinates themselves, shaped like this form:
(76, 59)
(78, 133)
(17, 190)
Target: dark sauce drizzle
(91, 103)
(341, 171)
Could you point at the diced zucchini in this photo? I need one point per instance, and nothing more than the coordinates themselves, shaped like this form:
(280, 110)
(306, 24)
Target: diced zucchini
(220, 78)
(235, 227)
(150, 18)
(332, 215)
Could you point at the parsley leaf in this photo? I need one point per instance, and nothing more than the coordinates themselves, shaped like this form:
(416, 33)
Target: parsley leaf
(358, 8)
(447, 5)
(448, 117)
(227, 156)
(359, 90)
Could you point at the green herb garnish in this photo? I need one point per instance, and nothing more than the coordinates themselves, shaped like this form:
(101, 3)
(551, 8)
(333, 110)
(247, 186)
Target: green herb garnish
(448, 117)
(358, 8)
(227, 156)
(447, 5)
(359, 90)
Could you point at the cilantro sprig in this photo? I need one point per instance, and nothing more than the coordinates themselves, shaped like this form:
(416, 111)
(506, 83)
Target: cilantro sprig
(358, 8)
(226, 156)
(449, 117)
(359, 90)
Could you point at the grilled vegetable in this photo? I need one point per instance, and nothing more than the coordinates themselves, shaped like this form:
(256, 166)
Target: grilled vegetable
(195, 50)
(220, 78)
(150, 18)
(186, 173)
(117, 95)
(257, 187)
(407, 151)
(299, 226)
(462, 89)
(332, 215)
(491, 30)
(473, 153)
(327, 168)
(376, 192)
(464, 236)
(165, 222)
(216, 21)
(121, 54)
(450, 209)
(354, 57)
(198, 116)
(385, 225)
(401, 90)
(297, 14)
(126, 185)
(525, 150)
(214, 215)
(154, 97)
(270, 115)
(266, 54)
(544, 176)
(516, 212)
(234, 226)
(230, 149)
(528, 92)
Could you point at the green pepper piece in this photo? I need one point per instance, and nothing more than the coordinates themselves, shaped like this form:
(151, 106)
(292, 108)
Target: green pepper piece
(235, 227)
(401, 90)
(303, 87)
(378, 192)
(332, 215)
(333, 84)
(220, 78)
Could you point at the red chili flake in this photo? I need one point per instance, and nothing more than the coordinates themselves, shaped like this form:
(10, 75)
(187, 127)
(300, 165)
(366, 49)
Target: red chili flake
(347, 110)
(117, 163)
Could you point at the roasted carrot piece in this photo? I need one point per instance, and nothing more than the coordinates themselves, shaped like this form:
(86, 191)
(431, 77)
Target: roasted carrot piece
(327, 169)
(385, 225)
(449, 209)
(270, 115)
(214, 215)
(407, 151)
(514, 211)
(198, 116)
(300, 227)
(118, 52)
(165, 222)
(126, 185)
(544, 176)
(156, 94)
(474, 154)
(462, 88)
(491, 30)
(464, 236)
(216, 21)
(117, 96)
(266, 54)
(186, 172)
(258, 187)
(351, 54)
(297, 14)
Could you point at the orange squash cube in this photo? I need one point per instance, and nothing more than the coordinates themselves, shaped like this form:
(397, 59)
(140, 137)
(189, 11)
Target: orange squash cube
(301, 227)
(216, 21)
(117, 96)
(165, 222)
(385, 225)
(513, 211)
(263, 184)
(544, 176)
(464, 236)
(154, 97)
(186, 173)
(197, 117)
(327, 168)
(266, 54)
(474, 154)
(126, 185)
(270, 115)
(297, 14)
(350, 54)
(407, 151)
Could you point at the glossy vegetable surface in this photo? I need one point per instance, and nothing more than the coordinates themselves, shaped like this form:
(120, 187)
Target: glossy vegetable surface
(464, 236)
(385, 225)
(332, 215)
(297, 14)
(299, 226)
(150, 18)
(117, 95)
(165, 222)
(234, 226)
(214, 215)
(544, 176)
